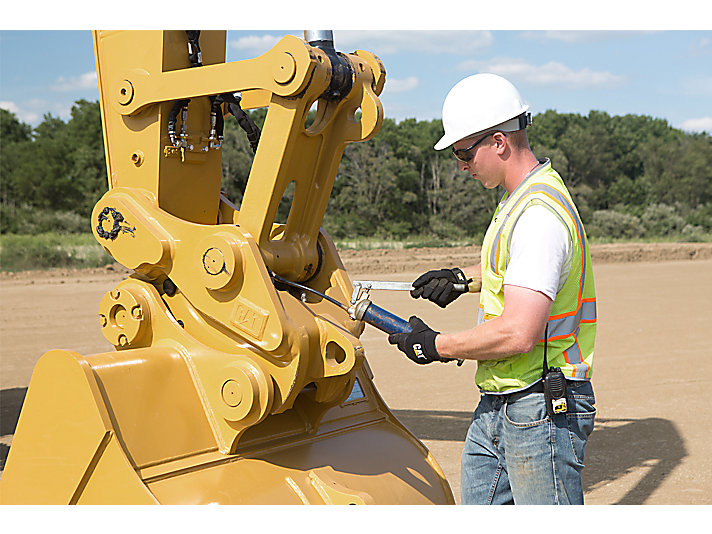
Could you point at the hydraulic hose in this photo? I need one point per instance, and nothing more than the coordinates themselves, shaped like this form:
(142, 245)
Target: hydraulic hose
(172, 118)
(243, 119)
(194, 55)
(309, 289)
(217, 121)
(196, 60)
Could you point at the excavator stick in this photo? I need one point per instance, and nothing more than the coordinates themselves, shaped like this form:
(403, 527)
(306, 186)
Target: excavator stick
(225, 386)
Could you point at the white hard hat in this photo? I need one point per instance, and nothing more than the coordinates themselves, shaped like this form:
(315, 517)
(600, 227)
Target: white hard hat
(481, 102)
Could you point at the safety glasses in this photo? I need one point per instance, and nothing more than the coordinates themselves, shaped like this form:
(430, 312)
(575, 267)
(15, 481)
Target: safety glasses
(466, 154)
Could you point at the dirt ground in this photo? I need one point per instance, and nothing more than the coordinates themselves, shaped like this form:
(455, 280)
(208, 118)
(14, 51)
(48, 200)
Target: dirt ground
(652, 369)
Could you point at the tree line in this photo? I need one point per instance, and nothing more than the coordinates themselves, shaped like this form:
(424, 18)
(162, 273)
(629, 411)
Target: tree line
(631, 176)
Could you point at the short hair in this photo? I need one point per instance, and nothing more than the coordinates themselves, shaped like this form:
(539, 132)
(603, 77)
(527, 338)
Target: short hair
(519, 139)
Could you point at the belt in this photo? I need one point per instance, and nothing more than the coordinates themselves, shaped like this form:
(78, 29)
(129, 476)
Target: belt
(538, 387)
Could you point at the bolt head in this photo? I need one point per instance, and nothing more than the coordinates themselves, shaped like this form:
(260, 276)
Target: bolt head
(285, 70)
(231, 393)
(125, 92)
(213, 261)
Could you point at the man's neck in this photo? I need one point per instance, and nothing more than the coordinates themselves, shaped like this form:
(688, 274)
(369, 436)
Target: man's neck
(520, 166)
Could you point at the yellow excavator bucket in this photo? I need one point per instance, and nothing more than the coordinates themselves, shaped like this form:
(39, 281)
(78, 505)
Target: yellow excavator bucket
(228, 384)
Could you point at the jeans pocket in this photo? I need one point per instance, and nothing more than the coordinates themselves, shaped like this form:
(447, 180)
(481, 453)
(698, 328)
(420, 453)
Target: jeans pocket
(579, 419)
(526, 411)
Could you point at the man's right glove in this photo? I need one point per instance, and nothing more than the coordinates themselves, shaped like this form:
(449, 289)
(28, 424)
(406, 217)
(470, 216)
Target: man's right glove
(419, 343)
(439, 286)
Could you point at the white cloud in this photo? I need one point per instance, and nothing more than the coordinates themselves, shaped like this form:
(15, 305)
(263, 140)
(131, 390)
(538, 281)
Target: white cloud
(22, 114)
(548, 74)
(257, 44)
(9, 106)
(382, 42)
(701, 48)
(395, 85)
(579, 36)
(76, 83)
(33, 111)
(703, 124)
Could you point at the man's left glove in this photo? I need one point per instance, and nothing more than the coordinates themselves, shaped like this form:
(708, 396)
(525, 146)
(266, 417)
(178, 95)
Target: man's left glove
(439, 286)
(418, 345)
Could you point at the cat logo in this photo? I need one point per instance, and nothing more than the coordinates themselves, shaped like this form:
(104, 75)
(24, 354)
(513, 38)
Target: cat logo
(418, 349)
(116, 228)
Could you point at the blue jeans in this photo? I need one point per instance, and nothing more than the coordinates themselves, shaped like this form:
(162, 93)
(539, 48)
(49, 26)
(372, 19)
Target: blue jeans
(515, 454)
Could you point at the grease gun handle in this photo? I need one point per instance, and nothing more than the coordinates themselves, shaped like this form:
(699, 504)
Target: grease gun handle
(367, 311)
(385, 321)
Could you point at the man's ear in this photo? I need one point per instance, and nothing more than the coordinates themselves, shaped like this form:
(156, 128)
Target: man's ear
(500, 142)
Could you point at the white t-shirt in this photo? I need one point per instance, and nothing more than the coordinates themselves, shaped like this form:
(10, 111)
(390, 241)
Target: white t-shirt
(540, 252)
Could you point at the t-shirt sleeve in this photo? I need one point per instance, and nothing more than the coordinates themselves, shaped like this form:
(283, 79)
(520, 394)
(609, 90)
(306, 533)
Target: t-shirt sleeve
(540, 252)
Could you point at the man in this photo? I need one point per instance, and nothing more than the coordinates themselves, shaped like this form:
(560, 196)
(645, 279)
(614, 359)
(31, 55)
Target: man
(536, 321)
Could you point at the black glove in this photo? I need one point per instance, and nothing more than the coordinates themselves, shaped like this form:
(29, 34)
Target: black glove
(439, 286)
(418, 345)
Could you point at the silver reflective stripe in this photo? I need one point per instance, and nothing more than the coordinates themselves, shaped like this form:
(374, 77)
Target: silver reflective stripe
(573, 356)
(565, 326)
(493, 245)
(480, 316)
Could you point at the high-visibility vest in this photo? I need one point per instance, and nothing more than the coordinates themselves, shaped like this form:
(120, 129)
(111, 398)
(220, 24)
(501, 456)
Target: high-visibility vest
(572, 320)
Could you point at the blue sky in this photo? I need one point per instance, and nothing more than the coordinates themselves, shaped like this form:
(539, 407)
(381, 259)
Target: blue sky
(661, 73)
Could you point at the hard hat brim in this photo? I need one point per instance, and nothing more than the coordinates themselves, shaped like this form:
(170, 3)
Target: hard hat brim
(511, 125)
(445, 142)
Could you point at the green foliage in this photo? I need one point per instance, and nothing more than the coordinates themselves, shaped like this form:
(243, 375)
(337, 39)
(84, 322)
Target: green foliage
(632, 177)
(29, 220)
(693, 234)
(60, 166)
(51, 250)
(661, 220)
(701, 216)
(375, 187)
(615, 225)
(11, 129)
(236, 161)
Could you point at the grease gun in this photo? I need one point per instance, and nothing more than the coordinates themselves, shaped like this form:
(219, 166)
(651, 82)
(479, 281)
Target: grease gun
(361, 308)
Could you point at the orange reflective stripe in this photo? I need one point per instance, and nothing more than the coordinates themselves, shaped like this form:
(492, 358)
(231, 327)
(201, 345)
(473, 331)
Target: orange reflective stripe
(561, 315)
